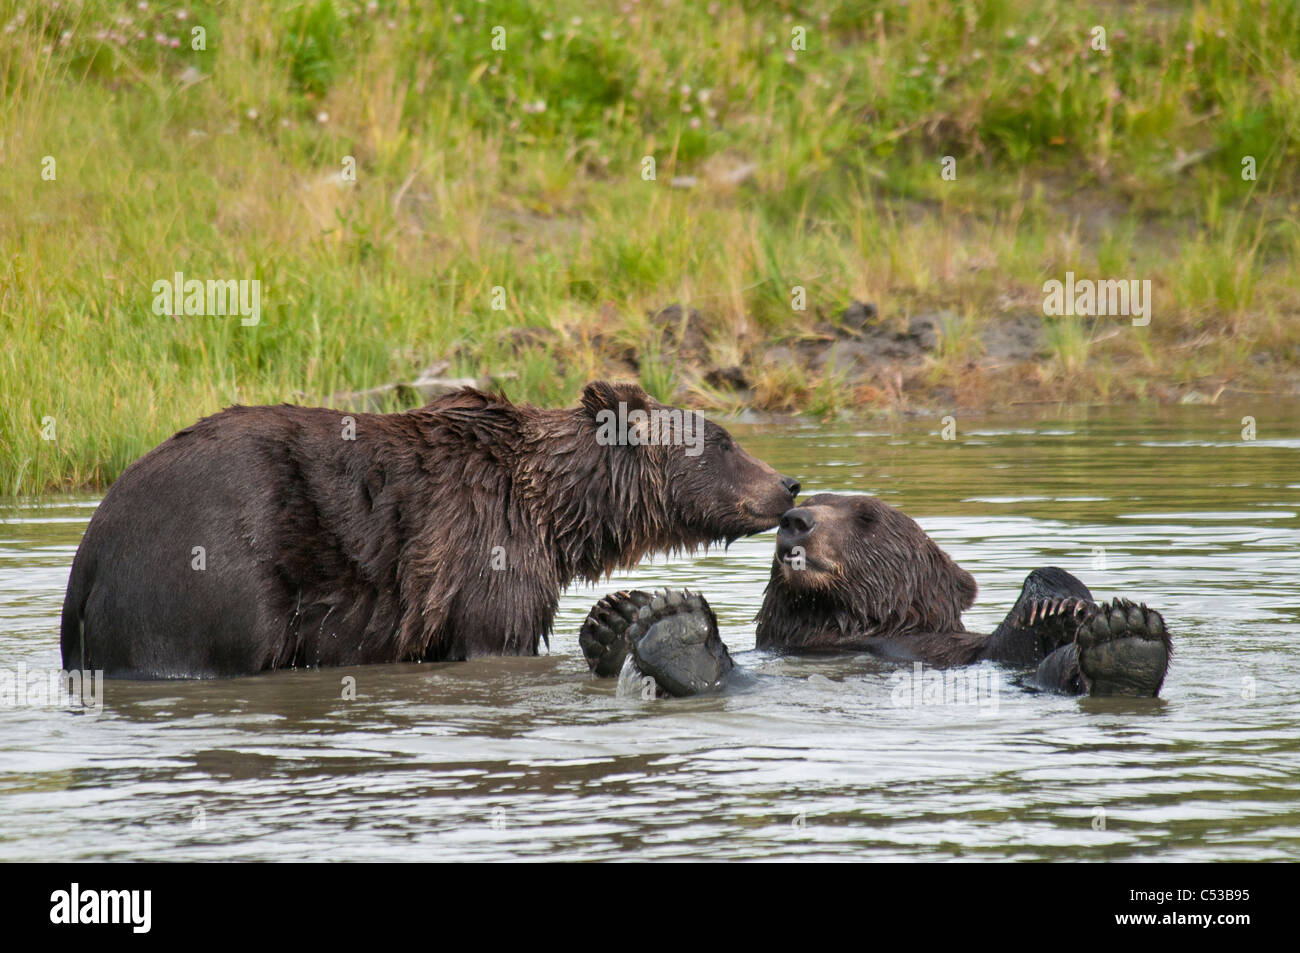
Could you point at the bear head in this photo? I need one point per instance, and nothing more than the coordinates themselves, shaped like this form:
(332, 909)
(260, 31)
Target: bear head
(685, 476)
(848, 567)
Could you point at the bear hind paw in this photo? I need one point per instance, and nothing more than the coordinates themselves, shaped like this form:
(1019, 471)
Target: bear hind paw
(1124, 649)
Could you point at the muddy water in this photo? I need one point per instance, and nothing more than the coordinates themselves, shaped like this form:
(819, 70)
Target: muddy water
(528, 758)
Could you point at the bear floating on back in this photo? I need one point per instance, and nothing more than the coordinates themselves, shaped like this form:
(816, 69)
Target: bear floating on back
(852, 574)
(273, 537)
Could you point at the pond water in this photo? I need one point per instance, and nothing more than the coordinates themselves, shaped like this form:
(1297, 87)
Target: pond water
(531, 759)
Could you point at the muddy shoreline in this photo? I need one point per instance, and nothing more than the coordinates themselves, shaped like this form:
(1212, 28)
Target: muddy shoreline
(868, 364)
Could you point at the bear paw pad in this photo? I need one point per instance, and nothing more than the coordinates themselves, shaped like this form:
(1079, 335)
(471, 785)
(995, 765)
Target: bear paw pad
(609, 629)
(1124, 649)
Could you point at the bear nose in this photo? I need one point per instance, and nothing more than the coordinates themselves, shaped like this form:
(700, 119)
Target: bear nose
(791, 484)
(797, 521)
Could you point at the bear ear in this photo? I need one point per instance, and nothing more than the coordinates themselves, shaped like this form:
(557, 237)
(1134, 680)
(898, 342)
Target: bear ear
(967, 590)
(605, 395)
(948, 591)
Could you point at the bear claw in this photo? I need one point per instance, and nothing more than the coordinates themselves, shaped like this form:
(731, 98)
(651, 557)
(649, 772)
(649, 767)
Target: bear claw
(1053, 621)
(1040, 609)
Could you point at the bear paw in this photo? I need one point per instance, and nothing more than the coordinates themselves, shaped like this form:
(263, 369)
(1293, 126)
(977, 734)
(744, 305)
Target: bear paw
(605, 635)
(670, 636)
(1124, 649)
(1052, 622)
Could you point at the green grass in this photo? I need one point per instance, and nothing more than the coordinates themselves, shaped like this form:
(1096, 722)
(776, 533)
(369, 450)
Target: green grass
(522, 169)
(1069, 339)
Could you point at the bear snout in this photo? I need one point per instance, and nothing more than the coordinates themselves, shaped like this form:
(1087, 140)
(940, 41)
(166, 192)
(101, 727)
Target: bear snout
(792, 535)
(778, 495)
(796, 522)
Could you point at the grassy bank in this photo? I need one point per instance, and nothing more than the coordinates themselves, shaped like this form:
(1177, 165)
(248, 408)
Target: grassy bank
(523, 170)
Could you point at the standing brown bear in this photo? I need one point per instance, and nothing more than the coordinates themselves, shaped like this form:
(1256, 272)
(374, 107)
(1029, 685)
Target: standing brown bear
(852, 574)
(272, 537)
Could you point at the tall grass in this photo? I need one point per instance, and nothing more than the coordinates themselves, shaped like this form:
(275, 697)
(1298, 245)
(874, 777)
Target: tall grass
(522, 170)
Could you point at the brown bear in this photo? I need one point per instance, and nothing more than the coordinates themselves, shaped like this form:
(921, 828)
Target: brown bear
(273, 537)
(852, 574)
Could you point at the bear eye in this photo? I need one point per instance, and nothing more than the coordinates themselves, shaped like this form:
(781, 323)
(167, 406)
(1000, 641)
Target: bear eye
(724, 444)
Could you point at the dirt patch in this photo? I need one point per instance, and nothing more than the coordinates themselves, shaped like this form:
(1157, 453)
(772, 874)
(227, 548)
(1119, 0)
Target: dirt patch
(681, 332)
(1017, 337)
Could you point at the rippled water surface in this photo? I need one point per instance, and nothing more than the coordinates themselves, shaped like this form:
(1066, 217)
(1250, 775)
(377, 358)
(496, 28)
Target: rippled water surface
(529, 758)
